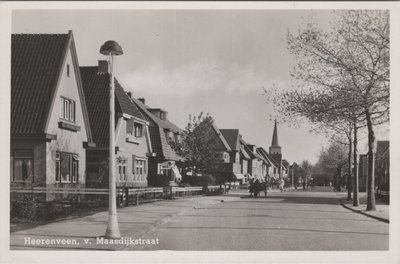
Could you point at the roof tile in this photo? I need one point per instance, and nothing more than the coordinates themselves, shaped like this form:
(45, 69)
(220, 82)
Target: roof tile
(35, 63)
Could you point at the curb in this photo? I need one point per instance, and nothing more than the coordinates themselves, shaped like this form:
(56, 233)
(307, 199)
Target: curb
(364, 213)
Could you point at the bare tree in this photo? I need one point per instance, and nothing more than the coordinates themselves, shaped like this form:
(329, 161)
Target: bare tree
(342, 75)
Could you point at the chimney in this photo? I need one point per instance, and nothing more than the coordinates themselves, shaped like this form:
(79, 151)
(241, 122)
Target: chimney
(129, 94)
(142, 100)
(103, 66)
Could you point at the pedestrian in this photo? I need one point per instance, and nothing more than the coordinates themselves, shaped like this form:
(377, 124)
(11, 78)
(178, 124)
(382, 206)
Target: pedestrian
(256, 187)
(304, 185)
(251, 187)
(282, 185)
(265, 187)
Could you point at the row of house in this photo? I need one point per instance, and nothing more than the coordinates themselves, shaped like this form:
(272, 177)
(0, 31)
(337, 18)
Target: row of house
(241, 161)
(60, 126)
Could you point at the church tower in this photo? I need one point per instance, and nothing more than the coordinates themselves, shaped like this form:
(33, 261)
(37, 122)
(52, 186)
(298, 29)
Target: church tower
(275, 148)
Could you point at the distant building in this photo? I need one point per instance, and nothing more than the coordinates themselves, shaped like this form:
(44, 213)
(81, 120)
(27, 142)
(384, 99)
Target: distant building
(232, 137)
(256, 168)
(49, 121)
(163, 160)
(382, 167)
(275, 151)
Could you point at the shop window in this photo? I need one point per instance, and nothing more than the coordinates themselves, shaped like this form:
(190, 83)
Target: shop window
(23, 165)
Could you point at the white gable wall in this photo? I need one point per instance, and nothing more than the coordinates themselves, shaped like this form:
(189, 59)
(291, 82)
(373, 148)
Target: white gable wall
(67, 141)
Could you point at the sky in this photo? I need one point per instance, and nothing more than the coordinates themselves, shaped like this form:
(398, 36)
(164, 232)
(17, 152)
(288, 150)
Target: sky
(192, 61)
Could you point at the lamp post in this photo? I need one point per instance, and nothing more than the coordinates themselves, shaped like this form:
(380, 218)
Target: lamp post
(111, 48)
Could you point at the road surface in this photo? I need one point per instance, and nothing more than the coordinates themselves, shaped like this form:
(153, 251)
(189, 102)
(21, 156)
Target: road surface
(298, 220)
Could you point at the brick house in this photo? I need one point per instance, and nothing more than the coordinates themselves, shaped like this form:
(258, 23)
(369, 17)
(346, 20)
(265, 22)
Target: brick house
(49, 122)
(163, 159)
(131, 132)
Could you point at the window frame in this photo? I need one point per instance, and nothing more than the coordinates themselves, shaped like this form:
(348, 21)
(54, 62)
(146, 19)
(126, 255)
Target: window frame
(139, 165)
(67, 109)
(32, 159)
(136, 128)
(73, 167)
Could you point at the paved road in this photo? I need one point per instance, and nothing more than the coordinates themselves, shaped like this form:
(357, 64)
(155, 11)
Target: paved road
(282, 221)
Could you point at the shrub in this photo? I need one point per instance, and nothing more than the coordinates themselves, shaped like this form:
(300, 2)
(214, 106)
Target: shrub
(158, 180)
(25, 207)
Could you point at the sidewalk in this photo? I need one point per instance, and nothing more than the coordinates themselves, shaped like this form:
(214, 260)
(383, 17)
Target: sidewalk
(84, 233)
(381, 213)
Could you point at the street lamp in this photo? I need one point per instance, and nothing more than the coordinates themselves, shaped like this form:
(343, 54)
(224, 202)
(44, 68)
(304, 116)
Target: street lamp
(111, 48)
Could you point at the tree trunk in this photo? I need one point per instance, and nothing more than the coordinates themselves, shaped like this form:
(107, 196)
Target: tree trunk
(356, 199)
(371, 164)
(339, 176)
(349, 171)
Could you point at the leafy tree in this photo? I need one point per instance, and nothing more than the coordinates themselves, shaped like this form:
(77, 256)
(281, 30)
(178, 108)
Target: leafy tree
(342, 75)
(305, 171)
(333, 161)
(197, 146)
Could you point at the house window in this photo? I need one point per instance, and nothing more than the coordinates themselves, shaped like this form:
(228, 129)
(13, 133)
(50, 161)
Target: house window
(177, 138)
(23, 165)
(58, 166)
(67, 70)
(226, 157)
(169, 136)
(67, 110)
(274, 170)
(162, 115)
(67, 167)
(129, 127)
(165, 169)
(75, 168)
(122, 171)
(138, 130)
(139, 166)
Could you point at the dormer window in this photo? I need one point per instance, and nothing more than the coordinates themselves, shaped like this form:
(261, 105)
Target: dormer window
(177, 138)
(162, 115)
(67, 109)
(170, 136)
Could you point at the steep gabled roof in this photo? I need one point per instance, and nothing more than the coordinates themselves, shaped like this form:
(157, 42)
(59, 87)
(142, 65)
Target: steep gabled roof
(223, 143)
(285, 164)
(37, 62)
(262, 153)
(165, 124)
(157, 136)
(96, 87)
(268, 157)
(232, 137)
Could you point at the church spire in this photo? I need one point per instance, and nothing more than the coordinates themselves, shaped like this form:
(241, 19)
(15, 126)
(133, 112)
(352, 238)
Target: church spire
(275, 148)
(275, 136)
